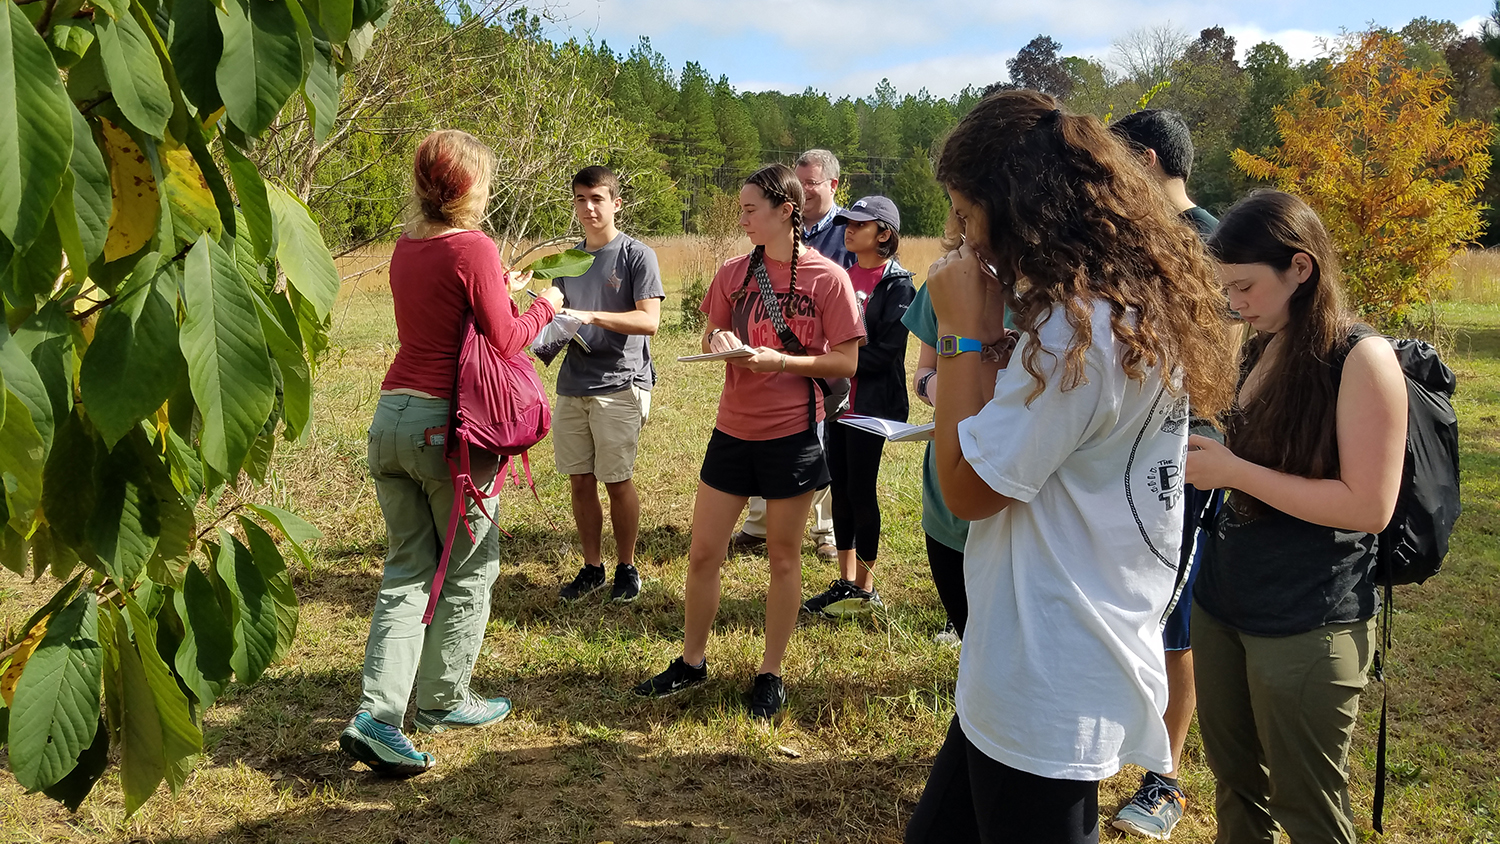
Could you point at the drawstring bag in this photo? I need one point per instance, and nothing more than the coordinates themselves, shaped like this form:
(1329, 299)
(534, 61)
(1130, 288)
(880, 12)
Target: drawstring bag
(499, 407)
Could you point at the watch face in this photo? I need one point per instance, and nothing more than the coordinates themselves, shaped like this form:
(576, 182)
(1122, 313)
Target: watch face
(947, 345)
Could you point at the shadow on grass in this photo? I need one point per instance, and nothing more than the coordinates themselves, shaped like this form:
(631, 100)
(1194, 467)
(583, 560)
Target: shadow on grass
(605, 788)
(1479, 342)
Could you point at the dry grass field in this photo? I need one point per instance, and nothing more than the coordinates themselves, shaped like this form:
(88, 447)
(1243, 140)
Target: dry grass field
(582, 760)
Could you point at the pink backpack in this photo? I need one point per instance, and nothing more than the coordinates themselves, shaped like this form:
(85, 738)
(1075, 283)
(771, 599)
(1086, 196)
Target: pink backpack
(498, 406)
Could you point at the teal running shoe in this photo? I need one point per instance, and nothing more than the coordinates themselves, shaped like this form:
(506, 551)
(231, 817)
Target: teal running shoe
(475, 713)
(383, 748)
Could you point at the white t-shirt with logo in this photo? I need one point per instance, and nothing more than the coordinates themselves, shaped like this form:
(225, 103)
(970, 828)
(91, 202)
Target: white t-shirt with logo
(1062, 673)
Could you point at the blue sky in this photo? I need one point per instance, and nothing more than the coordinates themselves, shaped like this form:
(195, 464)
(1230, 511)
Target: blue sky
(846, 48)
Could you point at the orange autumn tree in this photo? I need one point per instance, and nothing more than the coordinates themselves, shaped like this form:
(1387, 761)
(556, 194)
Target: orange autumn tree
(1395, 180)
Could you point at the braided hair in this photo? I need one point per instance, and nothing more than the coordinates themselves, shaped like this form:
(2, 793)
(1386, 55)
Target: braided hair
(780, 186)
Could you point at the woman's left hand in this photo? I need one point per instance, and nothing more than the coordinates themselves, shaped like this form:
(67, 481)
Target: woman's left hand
(966, 296)
(1210, 464)
(764, 360)
(517, 281)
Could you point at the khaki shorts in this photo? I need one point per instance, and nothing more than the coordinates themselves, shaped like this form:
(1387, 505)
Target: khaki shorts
(598, 434)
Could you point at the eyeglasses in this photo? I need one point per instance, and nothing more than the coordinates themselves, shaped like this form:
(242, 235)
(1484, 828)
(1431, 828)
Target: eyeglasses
(810, 184)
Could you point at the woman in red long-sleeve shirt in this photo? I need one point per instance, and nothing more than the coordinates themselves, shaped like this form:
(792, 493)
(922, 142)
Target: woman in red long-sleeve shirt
(442, 267)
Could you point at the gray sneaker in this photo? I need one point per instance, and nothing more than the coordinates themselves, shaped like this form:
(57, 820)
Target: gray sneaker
(1154, 810)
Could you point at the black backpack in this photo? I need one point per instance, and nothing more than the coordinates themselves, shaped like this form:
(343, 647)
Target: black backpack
(1412, 546)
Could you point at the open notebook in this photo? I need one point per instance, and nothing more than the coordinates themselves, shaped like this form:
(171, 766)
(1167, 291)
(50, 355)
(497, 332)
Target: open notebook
(896, 432)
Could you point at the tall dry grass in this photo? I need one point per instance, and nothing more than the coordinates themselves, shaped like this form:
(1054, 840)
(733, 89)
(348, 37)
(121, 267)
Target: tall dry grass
(1476, 277)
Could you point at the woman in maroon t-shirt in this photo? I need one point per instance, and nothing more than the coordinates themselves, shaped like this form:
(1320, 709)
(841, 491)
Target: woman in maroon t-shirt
(765, 440)
(442, 267)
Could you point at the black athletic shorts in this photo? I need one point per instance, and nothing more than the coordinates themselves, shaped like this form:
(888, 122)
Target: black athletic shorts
(785, 467)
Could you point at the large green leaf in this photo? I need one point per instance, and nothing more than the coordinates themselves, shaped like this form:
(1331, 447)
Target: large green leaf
(261, 65)
(91, 193)
(73, 788)
(228, 366)
(296, 381)
(255, 619)
(36, 134)
(33, 273)
(135, 77)
(208, 639)
(56, 708)
(565, 264)
(21, 457)
(279, 582)
(143, 758)
(296, 531)
(135, 362)
(125, 525)
(321, 90)
(253, 202)
(336, 17)
(196, 44)
(301, 252)
(181, 738)
(174, 549)
(23, 379)
(47, 337)
(68, 486)
(210, 170)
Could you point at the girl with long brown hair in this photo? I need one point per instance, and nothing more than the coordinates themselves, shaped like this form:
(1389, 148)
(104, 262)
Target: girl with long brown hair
(1284, 608)
(1067, 461)
(765, 440)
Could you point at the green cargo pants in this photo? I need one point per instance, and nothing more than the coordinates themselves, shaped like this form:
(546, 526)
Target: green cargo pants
(1276, 715)
(416, 496)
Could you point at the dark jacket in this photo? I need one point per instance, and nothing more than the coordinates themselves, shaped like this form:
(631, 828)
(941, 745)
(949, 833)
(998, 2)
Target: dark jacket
(880, 381)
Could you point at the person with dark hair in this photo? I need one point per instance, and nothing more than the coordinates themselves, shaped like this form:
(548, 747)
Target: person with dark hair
(442, 268)
(1162, 138)
(1284, 610)
(818, 173)
(1165, 147)
(1065, 455)
(884, 290)
(794, 312)
(604, 396)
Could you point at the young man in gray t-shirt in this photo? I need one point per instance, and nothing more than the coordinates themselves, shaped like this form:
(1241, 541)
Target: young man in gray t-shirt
(604, 395)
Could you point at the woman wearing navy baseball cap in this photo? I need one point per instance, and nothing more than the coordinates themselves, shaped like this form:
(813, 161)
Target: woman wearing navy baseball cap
(884, 291)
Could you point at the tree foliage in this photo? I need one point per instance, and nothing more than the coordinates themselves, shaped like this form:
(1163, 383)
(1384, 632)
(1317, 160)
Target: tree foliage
(1393, 177)
(162, 302)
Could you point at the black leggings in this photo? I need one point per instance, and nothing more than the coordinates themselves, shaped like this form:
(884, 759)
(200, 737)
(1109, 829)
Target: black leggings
(854, 462)
(972, 798)
(948, 576)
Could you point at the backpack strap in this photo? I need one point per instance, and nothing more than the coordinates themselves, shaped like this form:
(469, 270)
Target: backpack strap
(464, 490)
(789, 339)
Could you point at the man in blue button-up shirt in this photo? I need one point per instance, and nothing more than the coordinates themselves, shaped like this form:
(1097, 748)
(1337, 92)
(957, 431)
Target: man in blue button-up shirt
(818, 171)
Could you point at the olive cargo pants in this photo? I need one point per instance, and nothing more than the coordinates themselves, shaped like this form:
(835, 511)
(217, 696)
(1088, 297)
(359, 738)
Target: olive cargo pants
(415, 493)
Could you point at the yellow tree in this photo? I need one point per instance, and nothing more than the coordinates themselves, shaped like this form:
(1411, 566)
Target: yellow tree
(1395, 180)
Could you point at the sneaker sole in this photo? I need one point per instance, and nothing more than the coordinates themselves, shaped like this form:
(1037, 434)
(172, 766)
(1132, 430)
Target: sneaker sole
(444, 726)
(848, 608)
(355, 746)
(1126, 826)
(623, 599)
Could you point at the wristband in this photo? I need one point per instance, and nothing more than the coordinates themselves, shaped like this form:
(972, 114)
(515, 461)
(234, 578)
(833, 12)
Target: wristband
(922, 385)
(951, 345)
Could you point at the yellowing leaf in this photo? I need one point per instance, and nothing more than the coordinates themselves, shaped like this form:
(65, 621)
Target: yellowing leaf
(136, 210)
(17, 664)
(191, 200)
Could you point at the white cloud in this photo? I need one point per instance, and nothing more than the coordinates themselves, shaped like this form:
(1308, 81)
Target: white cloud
(1300, 44)
(942, 76)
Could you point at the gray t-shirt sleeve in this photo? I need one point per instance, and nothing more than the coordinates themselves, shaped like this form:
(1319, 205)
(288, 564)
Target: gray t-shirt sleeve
(645, 274)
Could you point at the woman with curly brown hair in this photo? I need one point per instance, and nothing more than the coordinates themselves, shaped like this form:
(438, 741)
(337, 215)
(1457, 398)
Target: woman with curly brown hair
(1067, 463)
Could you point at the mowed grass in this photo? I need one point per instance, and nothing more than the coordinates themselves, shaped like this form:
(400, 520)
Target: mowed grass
(582, 760)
